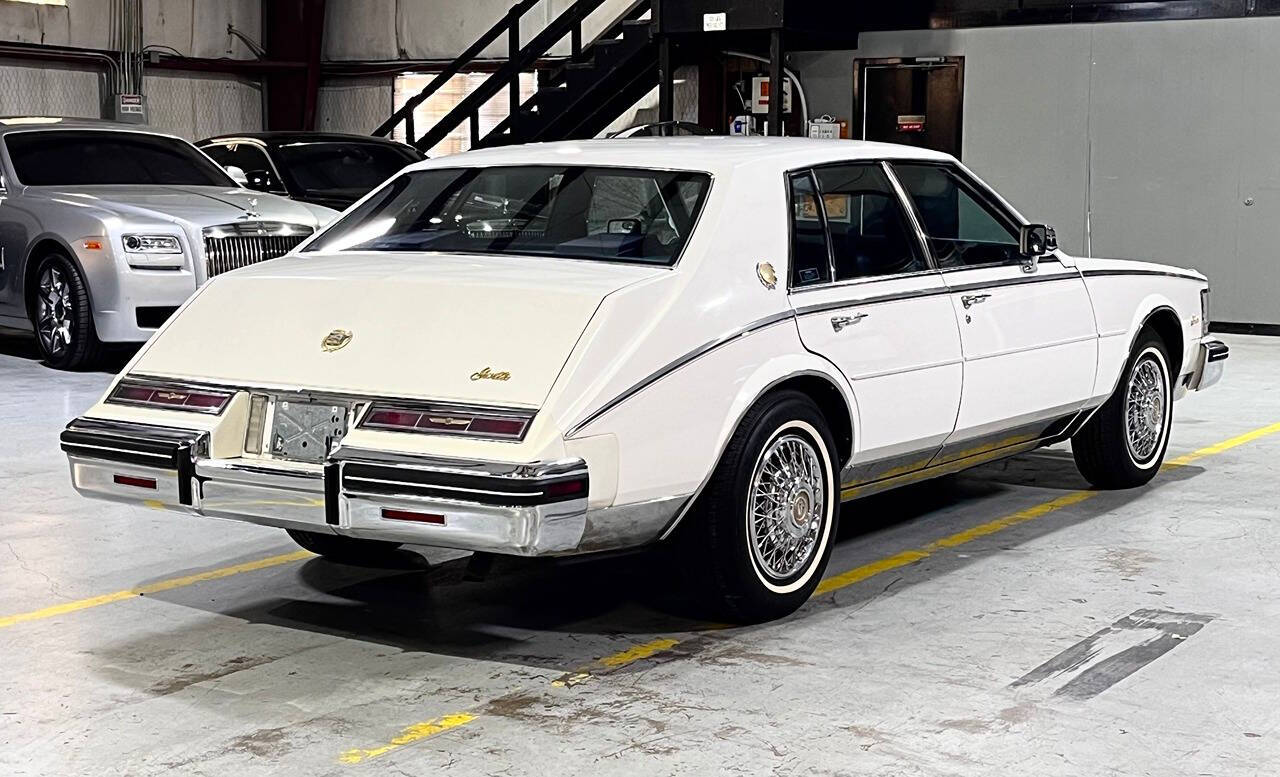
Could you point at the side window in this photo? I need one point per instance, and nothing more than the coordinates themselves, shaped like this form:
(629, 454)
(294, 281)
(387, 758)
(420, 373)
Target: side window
(868, 230)
(963, 230)
(252, 160)
(810, 261)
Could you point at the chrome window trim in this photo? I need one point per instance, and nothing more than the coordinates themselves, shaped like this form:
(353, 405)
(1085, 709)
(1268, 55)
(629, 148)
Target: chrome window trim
(904, 202)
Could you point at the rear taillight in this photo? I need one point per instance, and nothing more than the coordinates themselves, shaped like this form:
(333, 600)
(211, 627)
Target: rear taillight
(1204, 311)
(456, 421)
(140, 394)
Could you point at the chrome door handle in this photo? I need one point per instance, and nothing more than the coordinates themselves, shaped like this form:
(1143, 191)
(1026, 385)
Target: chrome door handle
(970, 300)
(840, 322)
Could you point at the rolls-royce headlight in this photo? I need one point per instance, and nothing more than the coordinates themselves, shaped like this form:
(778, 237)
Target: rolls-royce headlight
(152, 244)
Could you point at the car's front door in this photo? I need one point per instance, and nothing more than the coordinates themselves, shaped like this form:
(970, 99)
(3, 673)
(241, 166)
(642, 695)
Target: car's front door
(1029, 335)
(868, 300)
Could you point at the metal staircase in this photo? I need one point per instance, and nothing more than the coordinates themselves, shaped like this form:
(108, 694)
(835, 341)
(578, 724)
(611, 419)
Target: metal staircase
(577, 98)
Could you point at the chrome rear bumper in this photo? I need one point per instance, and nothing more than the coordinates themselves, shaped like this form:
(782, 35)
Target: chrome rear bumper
(521, 509)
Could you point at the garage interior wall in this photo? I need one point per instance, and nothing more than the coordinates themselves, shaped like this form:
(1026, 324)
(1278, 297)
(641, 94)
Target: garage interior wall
(1140, 140)
(187, 104)
(439, 29)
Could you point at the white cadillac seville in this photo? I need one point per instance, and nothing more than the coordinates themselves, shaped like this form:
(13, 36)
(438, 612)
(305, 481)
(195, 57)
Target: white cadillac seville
(586, 346)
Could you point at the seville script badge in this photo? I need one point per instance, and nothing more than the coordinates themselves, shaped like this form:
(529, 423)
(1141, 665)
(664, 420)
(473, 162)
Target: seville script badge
(335, 340)
(488, 374)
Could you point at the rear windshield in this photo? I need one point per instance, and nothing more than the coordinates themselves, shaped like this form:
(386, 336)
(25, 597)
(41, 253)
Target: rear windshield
(609, 214)
(94, 157)
(342, 168)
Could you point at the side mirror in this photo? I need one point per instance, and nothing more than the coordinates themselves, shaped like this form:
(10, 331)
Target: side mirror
(1035, 241)
(237, 175)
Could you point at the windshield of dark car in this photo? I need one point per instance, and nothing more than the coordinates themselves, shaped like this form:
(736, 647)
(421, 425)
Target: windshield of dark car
(94, 157)
(612, 214)
(341, 168)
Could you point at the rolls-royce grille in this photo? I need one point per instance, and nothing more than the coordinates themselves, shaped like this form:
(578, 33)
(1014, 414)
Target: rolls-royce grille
(232, 246)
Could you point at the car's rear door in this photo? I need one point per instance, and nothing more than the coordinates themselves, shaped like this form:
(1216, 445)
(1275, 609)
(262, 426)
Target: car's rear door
(1029, 337)
(867, 298)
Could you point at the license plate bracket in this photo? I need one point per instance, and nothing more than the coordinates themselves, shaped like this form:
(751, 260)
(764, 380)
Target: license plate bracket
(307, 431)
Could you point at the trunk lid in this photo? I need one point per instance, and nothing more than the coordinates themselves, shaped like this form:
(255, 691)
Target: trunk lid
(422, 326)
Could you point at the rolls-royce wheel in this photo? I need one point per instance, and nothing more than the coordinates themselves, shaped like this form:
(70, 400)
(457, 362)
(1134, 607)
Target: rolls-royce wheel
(762, 529)
(346, 550)
(1124, 443)
(59, 309)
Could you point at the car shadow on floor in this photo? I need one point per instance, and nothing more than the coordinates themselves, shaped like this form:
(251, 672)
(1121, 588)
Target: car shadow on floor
(563, 614)
(23, 346)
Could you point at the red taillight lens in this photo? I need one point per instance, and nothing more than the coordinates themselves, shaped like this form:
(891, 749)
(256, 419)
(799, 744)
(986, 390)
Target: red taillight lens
(567, 488)
(144, 395)
(461, 422)
(136, 482)
(409, 515)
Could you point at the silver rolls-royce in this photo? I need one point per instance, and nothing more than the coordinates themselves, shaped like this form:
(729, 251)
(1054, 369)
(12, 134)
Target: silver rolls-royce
(105, 229)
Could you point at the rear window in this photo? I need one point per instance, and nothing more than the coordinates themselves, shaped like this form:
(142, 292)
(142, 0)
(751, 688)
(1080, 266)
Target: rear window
(94, 157)
(609, 214)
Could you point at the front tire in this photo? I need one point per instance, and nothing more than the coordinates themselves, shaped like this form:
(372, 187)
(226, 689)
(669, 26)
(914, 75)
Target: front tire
(62, 316)
(1123, 445)
(762, 530)
(346, 550)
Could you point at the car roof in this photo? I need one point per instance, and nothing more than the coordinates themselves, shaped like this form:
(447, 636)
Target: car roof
(710, 154)
(15, 123)
(283, 136)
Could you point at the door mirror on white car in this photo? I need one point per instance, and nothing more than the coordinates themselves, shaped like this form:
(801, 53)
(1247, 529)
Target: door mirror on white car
(1035, 241)
(237, 175)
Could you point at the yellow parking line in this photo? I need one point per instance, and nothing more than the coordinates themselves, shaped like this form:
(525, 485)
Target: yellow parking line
(832, 583)
(414, 733)
(858, 574)
(152, 588)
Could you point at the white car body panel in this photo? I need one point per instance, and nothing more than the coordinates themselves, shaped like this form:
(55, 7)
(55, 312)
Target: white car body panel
(640, 375)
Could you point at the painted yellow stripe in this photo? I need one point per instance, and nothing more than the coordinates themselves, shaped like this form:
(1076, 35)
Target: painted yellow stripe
(1225, 445)
(858, 574)
(415, 733)
(638, 653)
(152, 588)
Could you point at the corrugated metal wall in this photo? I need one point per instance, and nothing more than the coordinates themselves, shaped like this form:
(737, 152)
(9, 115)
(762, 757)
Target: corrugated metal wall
(27, 89)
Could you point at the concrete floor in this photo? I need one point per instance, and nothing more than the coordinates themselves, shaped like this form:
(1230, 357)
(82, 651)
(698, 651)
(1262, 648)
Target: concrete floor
(1120, 633)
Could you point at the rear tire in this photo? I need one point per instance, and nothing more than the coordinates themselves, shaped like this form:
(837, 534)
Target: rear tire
(1124, 443)
(346, 550)
(760, 535)
(62, 316)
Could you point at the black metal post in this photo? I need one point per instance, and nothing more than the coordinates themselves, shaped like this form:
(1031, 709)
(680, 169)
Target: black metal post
(775, 82)
(409, 134)
(475, 129)
(513, 48)
(666, 81)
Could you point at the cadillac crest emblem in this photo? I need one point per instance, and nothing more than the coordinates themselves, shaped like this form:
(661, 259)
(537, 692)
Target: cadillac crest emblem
(335, 340)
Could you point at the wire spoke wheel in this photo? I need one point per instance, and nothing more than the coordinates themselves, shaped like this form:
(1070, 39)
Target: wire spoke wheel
(1146, 403)
(787, 504)
(55, 310)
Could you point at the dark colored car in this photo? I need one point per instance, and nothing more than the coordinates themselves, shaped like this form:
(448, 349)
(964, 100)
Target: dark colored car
(323, 168)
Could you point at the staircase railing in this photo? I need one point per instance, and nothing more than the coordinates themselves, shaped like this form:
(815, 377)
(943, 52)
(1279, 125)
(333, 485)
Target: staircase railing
(520, 59)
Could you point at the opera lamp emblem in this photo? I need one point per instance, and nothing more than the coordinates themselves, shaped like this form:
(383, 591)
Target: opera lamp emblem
(768, 276)
(489, 374)
(335, 340)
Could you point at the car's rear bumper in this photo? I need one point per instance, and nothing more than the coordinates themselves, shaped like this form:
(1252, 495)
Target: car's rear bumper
(1210, 363)
(521, 509)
